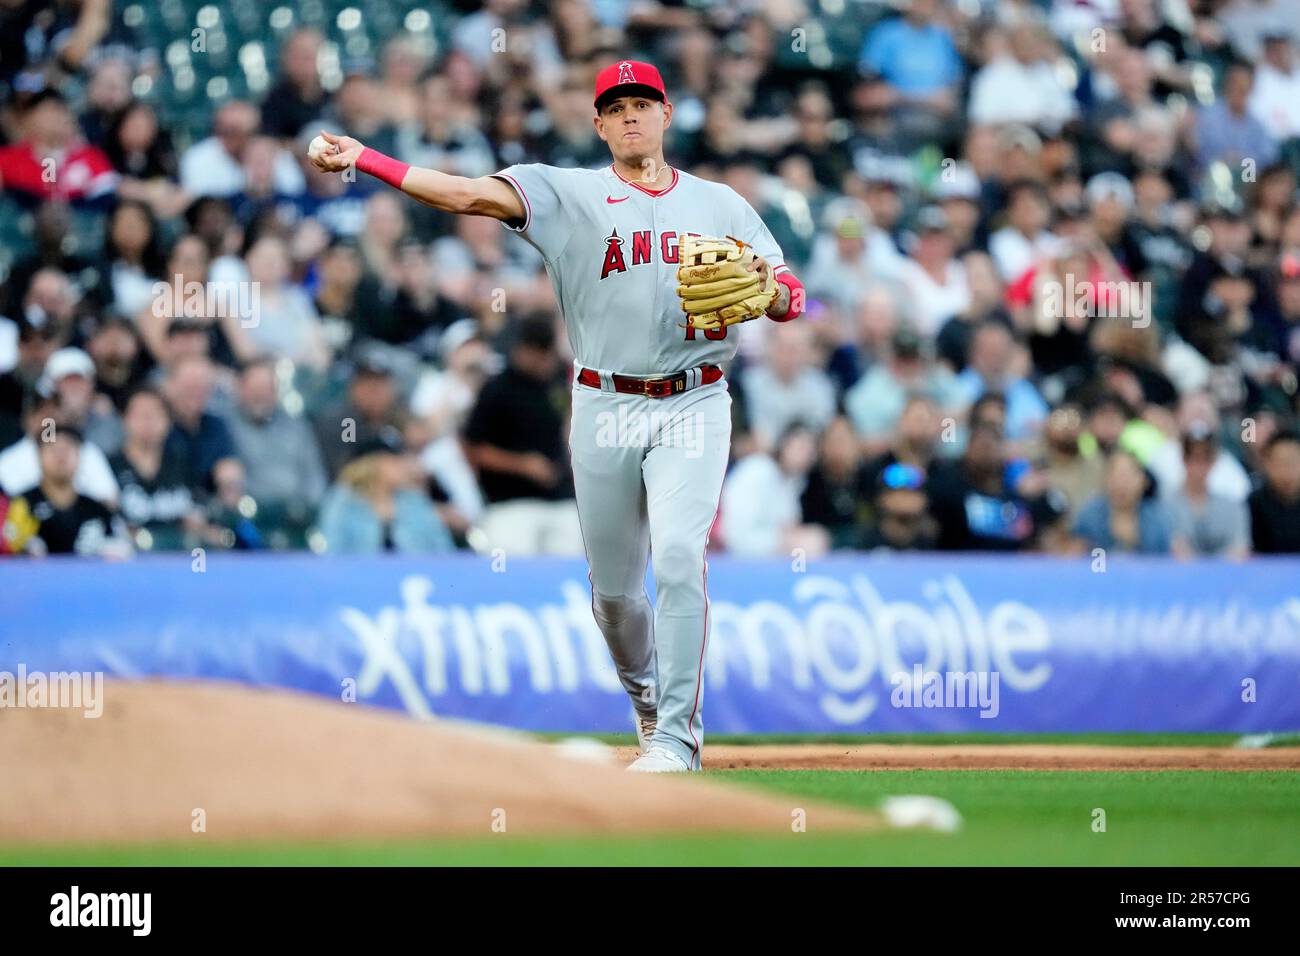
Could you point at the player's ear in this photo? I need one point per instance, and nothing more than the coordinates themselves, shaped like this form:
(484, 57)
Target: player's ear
(600, 127)
(668, 114)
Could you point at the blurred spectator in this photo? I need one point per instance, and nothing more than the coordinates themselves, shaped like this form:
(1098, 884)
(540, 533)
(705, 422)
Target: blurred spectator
(958, 195)
(52, 161)
(214, 166)
(838, 491)
(1075, 476)
(1226, 478)
(198, 438)
(1108, 422)
(369, 411)
(115, 350)
(36, 342)
(850, 257)
(142, 153)
(108, 94)
(1024, 240)
(228, 516)
(282, 462)
(58, 251)
(760, 508)
(376, 505)
(180, 308)
(1275, 98)
(915, 57)
(977, 504)
(789, 387)
(297, 98)
(402, 64)
(286, 323)
(952, 344)
(1205, 524)
(515, 436)
(444, 397)
(875, 404)
(438, 139)
(338, 276)
(442, 402)
(1226, 130)
(352, 109)
(70, 376)
(1275, 504)
(816, 142)
(914, 442)
(1126, 517)
(1019, 82)
(995, 364)
(20, 463)
(900, 506)
(132, 263)
(156, 502)
(932, 277)
(69, 521)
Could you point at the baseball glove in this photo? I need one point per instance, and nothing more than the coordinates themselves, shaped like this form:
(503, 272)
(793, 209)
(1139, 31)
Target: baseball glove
(717, 286)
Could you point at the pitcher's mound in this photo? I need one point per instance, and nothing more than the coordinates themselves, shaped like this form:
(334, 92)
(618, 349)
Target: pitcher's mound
(254, 764)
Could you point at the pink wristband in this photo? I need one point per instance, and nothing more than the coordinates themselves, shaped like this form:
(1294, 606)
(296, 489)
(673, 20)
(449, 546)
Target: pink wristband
(787, 279)
(385, 168)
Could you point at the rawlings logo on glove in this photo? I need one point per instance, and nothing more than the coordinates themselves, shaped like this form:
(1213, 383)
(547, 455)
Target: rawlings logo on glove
(719, 284)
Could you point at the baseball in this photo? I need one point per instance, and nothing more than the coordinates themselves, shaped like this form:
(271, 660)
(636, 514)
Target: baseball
(318, 147)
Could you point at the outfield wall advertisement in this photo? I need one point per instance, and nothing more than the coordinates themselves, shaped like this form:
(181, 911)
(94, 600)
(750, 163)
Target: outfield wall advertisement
(894, 644)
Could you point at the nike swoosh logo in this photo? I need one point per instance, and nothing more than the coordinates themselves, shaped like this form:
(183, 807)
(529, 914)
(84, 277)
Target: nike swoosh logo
(611, 199)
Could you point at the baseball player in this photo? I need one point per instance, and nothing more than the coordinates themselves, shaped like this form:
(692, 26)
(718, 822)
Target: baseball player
(651, 267)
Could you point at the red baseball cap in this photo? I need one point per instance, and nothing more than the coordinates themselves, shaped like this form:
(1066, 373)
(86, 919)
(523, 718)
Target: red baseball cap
(630, 73)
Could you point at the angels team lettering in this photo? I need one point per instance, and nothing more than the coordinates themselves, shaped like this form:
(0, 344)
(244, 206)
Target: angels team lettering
(642, 243)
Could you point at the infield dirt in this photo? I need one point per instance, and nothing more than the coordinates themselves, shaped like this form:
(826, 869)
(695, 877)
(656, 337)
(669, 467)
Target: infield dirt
(252, 764)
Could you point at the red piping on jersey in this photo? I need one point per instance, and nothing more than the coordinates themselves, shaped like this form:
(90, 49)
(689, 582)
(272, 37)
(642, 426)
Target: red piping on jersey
(699, 672)
(787, 278)
(528, 207)
(648, 192)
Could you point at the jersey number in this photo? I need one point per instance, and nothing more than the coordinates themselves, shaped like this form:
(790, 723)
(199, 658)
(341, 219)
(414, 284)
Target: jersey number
(713, 335)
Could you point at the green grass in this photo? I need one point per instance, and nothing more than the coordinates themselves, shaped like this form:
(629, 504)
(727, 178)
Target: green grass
(1162, 818)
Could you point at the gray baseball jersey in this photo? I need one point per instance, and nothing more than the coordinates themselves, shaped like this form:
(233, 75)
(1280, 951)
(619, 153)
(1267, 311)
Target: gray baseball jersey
(610, 247)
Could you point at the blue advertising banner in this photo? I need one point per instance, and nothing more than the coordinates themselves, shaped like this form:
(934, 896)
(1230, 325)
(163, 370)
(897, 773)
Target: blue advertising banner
(859, 643)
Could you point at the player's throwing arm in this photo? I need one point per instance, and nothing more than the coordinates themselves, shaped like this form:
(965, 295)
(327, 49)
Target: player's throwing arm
(484, 196)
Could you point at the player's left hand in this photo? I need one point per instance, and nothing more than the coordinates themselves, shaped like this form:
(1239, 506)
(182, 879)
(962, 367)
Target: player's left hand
(780, 304)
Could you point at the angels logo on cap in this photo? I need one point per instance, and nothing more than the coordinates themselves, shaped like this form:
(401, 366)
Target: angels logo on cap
(627, 77)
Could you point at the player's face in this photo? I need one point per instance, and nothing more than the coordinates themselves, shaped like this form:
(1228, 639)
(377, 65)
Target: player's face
(633, 126)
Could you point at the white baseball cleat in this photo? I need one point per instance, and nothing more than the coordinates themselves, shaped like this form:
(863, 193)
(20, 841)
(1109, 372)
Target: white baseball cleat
(645, 729)
(659, 760)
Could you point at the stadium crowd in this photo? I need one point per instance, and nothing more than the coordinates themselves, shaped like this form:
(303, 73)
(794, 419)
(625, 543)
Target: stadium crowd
(1052, 252)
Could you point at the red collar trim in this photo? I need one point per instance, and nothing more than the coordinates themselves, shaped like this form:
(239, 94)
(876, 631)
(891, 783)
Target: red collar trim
(648, 192)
